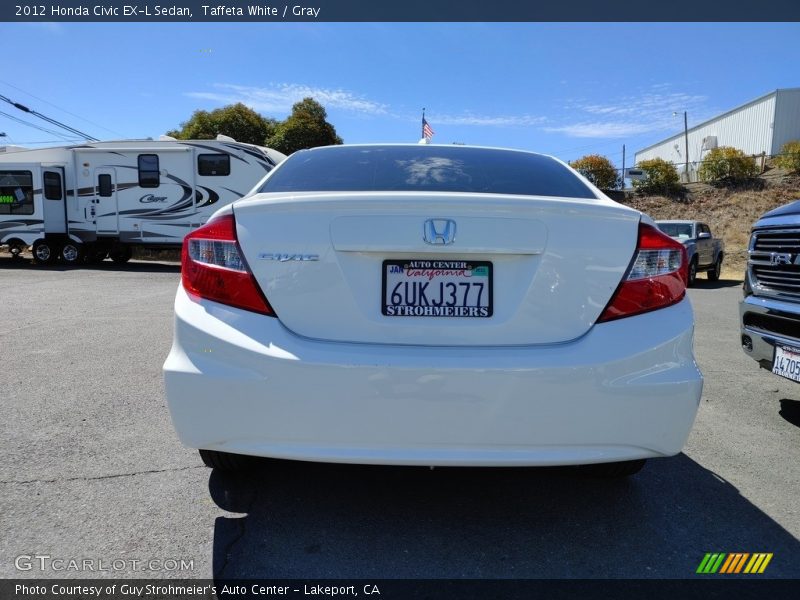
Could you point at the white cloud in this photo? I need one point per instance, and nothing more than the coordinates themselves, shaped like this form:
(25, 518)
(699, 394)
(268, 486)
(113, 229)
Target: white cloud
(486, 120)
(279, 98)
(646, 112)
(600, 129)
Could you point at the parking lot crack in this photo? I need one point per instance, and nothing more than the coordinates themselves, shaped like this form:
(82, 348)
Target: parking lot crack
(98, 477)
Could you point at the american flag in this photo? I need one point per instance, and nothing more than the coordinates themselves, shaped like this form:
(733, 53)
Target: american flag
(427, 131)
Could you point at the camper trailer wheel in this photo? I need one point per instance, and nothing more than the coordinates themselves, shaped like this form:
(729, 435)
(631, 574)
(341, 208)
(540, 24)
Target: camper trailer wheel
(121, 254)
(72, 253)
(16, 249)
(44, 252)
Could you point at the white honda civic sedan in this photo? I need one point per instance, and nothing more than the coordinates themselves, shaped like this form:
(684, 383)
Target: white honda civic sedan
(432, 305)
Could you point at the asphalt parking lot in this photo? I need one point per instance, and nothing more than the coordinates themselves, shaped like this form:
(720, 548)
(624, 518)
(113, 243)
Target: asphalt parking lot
(91, 468)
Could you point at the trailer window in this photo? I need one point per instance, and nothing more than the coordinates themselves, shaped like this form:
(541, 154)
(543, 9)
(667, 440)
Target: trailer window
(16, 193)
(148, 171)
(52, 185)
(104, 185)
(213, 165)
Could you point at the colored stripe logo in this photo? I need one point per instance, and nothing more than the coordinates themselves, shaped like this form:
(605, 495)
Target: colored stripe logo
(734, 562)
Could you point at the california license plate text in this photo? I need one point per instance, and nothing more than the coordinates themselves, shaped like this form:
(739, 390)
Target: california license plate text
(437, 288)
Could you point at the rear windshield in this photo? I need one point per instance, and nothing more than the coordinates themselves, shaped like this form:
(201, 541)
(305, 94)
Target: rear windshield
(676, 230)
(425, 169)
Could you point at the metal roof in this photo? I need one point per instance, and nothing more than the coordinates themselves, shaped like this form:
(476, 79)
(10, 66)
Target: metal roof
(717, 118)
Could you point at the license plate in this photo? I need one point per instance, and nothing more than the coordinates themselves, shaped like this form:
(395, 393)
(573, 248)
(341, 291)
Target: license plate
(787, 362)
(437, 288)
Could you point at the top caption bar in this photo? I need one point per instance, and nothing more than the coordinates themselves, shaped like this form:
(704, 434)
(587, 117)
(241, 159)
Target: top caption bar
(401, 11)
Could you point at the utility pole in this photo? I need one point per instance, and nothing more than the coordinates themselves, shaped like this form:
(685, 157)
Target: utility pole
(686, 138)
(623, 166)
(686, 142)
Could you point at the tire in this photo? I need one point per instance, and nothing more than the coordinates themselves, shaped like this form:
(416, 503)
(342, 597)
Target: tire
(121, 254)
(714, 273)
(72, 254)
(692, 272)
(225, 461)
(615, 470)
(44, 252)
(16, 250)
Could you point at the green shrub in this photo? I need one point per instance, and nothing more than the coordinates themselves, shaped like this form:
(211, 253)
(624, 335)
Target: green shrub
(662, 177)
(727, 165)
(599, 170)
(790, 157)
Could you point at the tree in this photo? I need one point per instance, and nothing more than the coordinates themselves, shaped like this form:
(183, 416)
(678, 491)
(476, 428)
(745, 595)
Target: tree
(726, 164)
(599, 170)
(306, 127)
(662, 176)
(236, 120)
(790, 157)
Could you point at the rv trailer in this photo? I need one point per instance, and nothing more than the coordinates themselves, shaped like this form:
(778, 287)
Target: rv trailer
(96, 200)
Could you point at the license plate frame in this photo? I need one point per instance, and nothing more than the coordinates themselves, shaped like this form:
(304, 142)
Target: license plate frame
(443, 310)
(786, 362)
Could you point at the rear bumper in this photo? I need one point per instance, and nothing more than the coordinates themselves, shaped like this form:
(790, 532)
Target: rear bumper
(628, 389)
(768, 323)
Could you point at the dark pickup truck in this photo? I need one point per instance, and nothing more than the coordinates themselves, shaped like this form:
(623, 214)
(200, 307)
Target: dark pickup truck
(770, 311)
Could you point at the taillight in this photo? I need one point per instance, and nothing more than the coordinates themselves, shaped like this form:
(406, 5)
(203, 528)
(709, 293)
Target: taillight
(212, 267)
(656, 278)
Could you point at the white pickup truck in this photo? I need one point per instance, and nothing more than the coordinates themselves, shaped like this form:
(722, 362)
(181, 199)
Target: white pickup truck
(704, 251)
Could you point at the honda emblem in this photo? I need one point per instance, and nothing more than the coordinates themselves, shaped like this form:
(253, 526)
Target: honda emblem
(439, 232)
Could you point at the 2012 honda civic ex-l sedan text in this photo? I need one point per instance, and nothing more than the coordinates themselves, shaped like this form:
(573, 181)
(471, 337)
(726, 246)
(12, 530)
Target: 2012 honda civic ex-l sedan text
(432, 305)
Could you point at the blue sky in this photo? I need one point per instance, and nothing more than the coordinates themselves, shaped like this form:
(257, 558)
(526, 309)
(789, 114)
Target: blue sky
(563, 89)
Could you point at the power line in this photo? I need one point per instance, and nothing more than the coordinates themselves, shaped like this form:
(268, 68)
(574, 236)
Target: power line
(117, 133)
(24, 108)
(50, 131)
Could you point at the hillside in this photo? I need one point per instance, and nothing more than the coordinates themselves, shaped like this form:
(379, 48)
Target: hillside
(729, 212)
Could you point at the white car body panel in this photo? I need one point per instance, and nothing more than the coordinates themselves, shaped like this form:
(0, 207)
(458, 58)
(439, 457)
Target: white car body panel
(557, 262)
(241, 382)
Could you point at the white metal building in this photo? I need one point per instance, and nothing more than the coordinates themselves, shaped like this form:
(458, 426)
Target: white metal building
(762, 125)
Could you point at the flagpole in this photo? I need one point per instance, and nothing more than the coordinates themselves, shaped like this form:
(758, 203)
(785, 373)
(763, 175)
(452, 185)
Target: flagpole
(423, 121)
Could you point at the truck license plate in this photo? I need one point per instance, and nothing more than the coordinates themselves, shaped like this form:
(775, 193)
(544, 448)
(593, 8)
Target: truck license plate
(787, 362)
(437, 288)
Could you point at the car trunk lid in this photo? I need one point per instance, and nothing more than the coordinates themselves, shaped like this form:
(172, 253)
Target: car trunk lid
(321, 259)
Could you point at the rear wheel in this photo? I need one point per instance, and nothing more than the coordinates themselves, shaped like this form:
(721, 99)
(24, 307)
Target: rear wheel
(44, 252)
(713, 274)
(121, 254)
(225, 461)
(692, 271)
(614, 470)
(72, 253)
(16, 248)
